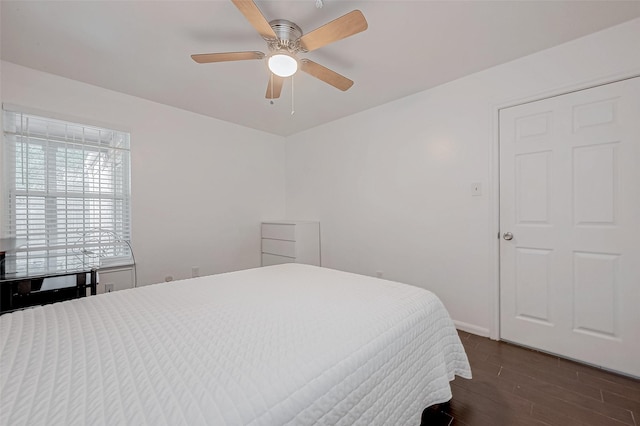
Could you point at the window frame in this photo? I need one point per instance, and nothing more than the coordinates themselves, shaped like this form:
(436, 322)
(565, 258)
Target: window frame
(60, 244)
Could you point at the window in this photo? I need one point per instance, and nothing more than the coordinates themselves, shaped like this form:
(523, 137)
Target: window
(66, 193)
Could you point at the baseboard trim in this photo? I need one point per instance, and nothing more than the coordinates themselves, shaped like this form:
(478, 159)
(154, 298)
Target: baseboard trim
(473, 329)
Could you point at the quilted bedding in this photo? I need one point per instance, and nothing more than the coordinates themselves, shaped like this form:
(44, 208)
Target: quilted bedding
(282, 345)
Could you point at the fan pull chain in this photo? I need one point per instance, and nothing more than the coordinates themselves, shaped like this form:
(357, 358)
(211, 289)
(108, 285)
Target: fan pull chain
(293, 111)
(271, 85)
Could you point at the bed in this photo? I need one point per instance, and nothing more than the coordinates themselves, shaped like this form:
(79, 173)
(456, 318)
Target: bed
(281, 345)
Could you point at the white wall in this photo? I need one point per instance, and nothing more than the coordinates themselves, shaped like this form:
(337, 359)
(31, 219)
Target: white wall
(392, 186)
(200, 186)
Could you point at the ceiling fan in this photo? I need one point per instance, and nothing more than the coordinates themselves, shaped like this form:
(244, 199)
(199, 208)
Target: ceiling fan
(285, 41)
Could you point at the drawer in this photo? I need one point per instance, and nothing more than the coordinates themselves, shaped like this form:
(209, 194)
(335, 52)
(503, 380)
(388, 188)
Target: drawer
(272, 259)
(279, 231)
(120, 278)
(279, 247)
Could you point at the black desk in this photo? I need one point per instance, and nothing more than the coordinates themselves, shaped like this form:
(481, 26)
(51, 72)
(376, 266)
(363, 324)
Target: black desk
(22, 290)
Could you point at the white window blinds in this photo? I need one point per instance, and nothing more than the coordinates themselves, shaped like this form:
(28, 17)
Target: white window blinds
(66, 192)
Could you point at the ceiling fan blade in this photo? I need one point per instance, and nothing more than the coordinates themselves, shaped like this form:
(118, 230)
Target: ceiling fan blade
(343, 27)
(205, 58)
(277, 86)
(255, 18)
(325, 74)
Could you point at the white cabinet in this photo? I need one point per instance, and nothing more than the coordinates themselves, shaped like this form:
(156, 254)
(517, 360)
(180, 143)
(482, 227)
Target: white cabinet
(290, 242)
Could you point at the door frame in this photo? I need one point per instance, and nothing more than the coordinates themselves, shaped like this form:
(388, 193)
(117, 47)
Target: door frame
(494, 175)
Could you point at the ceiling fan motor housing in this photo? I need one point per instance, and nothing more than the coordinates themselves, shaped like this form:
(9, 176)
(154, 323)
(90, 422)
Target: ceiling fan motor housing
(288, 35)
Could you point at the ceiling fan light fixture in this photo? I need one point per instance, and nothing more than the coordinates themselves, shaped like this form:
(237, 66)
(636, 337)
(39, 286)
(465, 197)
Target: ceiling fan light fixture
(282, 64)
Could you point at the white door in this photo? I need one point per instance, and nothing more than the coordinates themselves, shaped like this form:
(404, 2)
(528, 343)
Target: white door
(570, 202)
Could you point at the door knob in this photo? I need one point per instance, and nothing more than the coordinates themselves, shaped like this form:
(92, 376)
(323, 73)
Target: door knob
(507, 236)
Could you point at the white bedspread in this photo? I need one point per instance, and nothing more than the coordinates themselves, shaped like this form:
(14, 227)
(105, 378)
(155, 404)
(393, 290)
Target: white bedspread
(282, 345)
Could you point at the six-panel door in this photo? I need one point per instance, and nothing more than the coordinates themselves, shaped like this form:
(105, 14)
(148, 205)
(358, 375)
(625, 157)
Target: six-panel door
(570, 195)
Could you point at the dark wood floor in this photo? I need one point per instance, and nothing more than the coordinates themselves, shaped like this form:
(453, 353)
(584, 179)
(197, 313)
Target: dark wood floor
(517, 386)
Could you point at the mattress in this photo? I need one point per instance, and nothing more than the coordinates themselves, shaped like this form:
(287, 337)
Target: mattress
(281, 345)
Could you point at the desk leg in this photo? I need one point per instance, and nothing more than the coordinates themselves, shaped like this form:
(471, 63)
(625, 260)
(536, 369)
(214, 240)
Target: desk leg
(2, 265)
(94, 282)
(81, 284)
(6, 296)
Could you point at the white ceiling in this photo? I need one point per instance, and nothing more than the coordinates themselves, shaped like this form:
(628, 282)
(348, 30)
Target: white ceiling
(142, 48)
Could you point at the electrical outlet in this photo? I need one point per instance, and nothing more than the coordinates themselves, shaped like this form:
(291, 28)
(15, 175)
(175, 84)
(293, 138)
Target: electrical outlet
(108, 288)
(195, 271)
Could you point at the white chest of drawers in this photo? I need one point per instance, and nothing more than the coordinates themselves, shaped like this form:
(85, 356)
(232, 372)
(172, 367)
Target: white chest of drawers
(286, 241)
